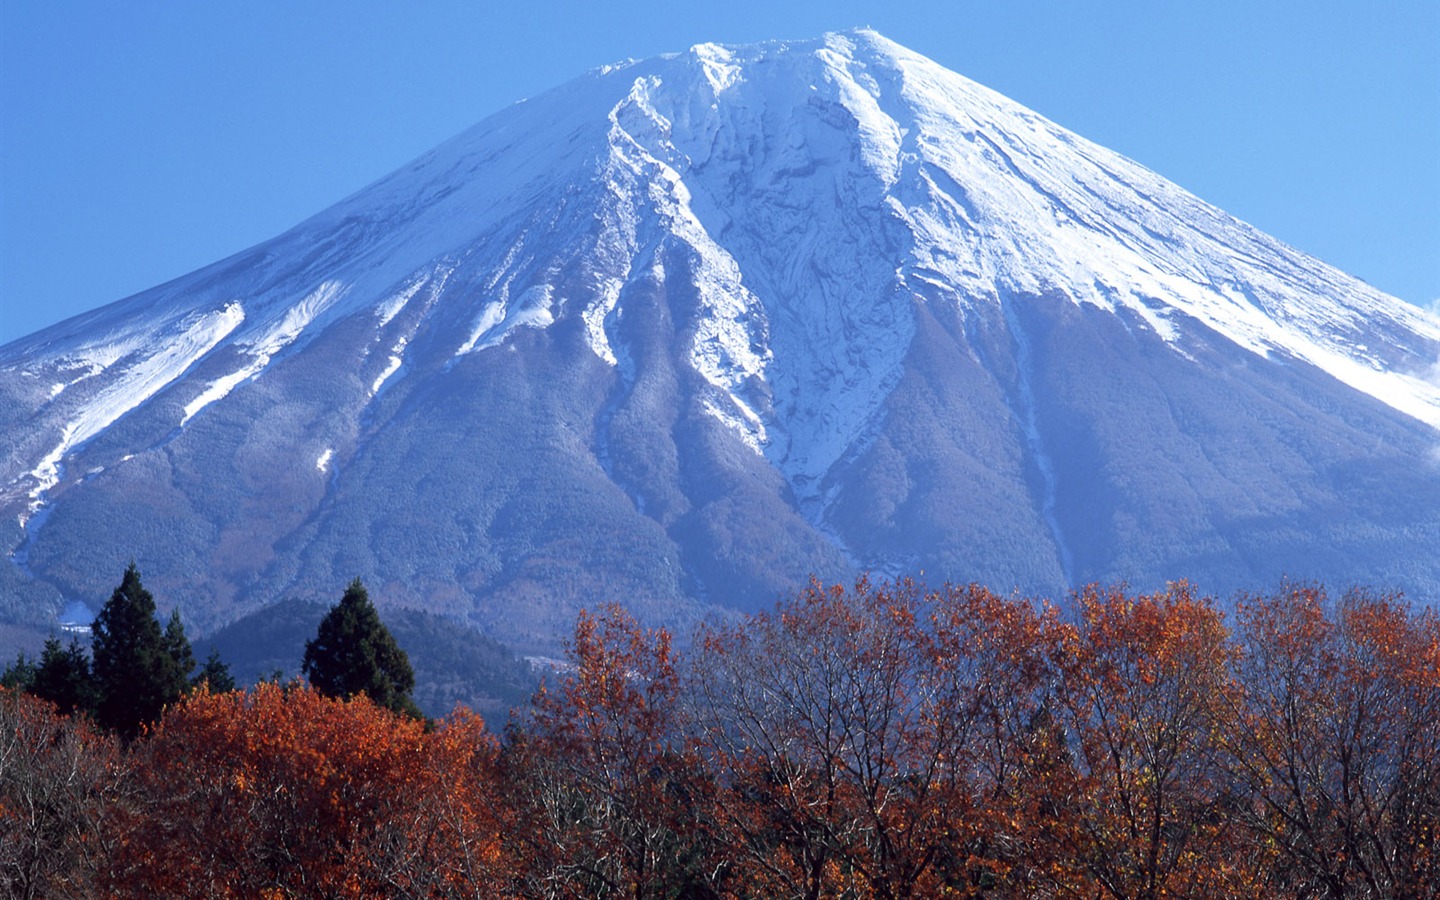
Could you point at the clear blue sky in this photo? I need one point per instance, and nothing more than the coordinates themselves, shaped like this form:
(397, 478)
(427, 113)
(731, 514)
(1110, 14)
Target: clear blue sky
(141, 140)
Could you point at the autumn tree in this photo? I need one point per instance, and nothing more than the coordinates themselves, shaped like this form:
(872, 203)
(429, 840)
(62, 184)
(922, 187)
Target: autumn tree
(63, 788)
(805, 731)
(601, 774)
(1137, 790)
(354, 653)
(1335, 743)
(873, 740)
(848, 727)
(282, 791)
(139, 669)
(995, 665)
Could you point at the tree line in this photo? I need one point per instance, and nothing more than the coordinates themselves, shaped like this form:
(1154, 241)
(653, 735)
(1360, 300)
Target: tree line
(135, 669)
(871, 740)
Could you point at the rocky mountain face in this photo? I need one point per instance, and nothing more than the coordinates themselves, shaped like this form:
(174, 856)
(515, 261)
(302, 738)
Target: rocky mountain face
(686, 330)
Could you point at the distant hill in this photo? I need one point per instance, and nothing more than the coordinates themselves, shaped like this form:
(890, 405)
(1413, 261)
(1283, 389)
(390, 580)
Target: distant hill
(452, 664)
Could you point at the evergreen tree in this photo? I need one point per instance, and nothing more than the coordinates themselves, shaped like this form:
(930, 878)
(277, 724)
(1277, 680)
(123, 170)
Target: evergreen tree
(137, 671)
(178, 646)
(354, 653)
(63, 677)
(214, 674)
(19, 675)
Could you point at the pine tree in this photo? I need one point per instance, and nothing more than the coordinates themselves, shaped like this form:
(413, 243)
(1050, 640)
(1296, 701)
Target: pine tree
(354, 653)
(63, 677)
(136, 667)
(178, 646)
(215, 675)
(19, 675)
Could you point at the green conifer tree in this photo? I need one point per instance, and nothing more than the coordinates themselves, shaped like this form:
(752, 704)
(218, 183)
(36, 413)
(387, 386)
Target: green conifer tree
(354, 653)
(178, 646)
(137, 671)
(63, 677)
(215, 674)
(19, 675)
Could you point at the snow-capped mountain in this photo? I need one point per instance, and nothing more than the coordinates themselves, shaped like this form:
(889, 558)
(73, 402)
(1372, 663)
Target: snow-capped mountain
(684, 330)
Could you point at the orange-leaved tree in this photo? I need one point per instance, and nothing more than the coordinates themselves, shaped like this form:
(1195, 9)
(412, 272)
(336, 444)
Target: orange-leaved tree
(1336, 742)
(1137, 793)
(995, 665)
(805, 713)
(846, 729)
(281, 791)
(600, 773)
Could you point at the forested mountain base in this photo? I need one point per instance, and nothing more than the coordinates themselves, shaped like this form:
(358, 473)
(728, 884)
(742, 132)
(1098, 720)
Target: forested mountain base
(874, 741)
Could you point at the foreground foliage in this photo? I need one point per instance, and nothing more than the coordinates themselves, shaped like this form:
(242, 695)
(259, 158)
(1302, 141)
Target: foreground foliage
(873, 741)
(286, 792)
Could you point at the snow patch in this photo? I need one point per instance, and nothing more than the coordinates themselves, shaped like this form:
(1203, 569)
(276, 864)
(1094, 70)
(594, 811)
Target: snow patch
(717, 66)
(386, 312)
(397, 359)
(728, 345)
(216, 390)
(140, 367)
(858, 91)
(284, 332)
(532, 309)
(323, 463)
(263, 347)
(594, 317)
(1005, 199)
(740, 419)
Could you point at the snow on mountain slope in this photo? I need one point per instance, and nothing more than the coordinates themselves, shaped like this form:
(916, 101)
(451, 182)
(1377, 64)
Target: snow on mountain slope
(134, 367)
(996, 200)
(763, 239)
(263, 346)
(821, 186)
(1103, 230)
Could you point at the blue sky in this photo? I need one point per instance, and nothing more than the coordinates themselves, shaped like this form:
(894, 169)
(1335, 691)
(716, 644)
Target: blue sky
(142, 140)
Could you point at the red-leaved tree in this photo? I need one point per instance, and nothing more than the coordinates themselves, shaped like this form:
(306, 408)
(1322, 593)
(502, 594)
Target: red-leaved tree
(280, 791)
(1335, 744)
